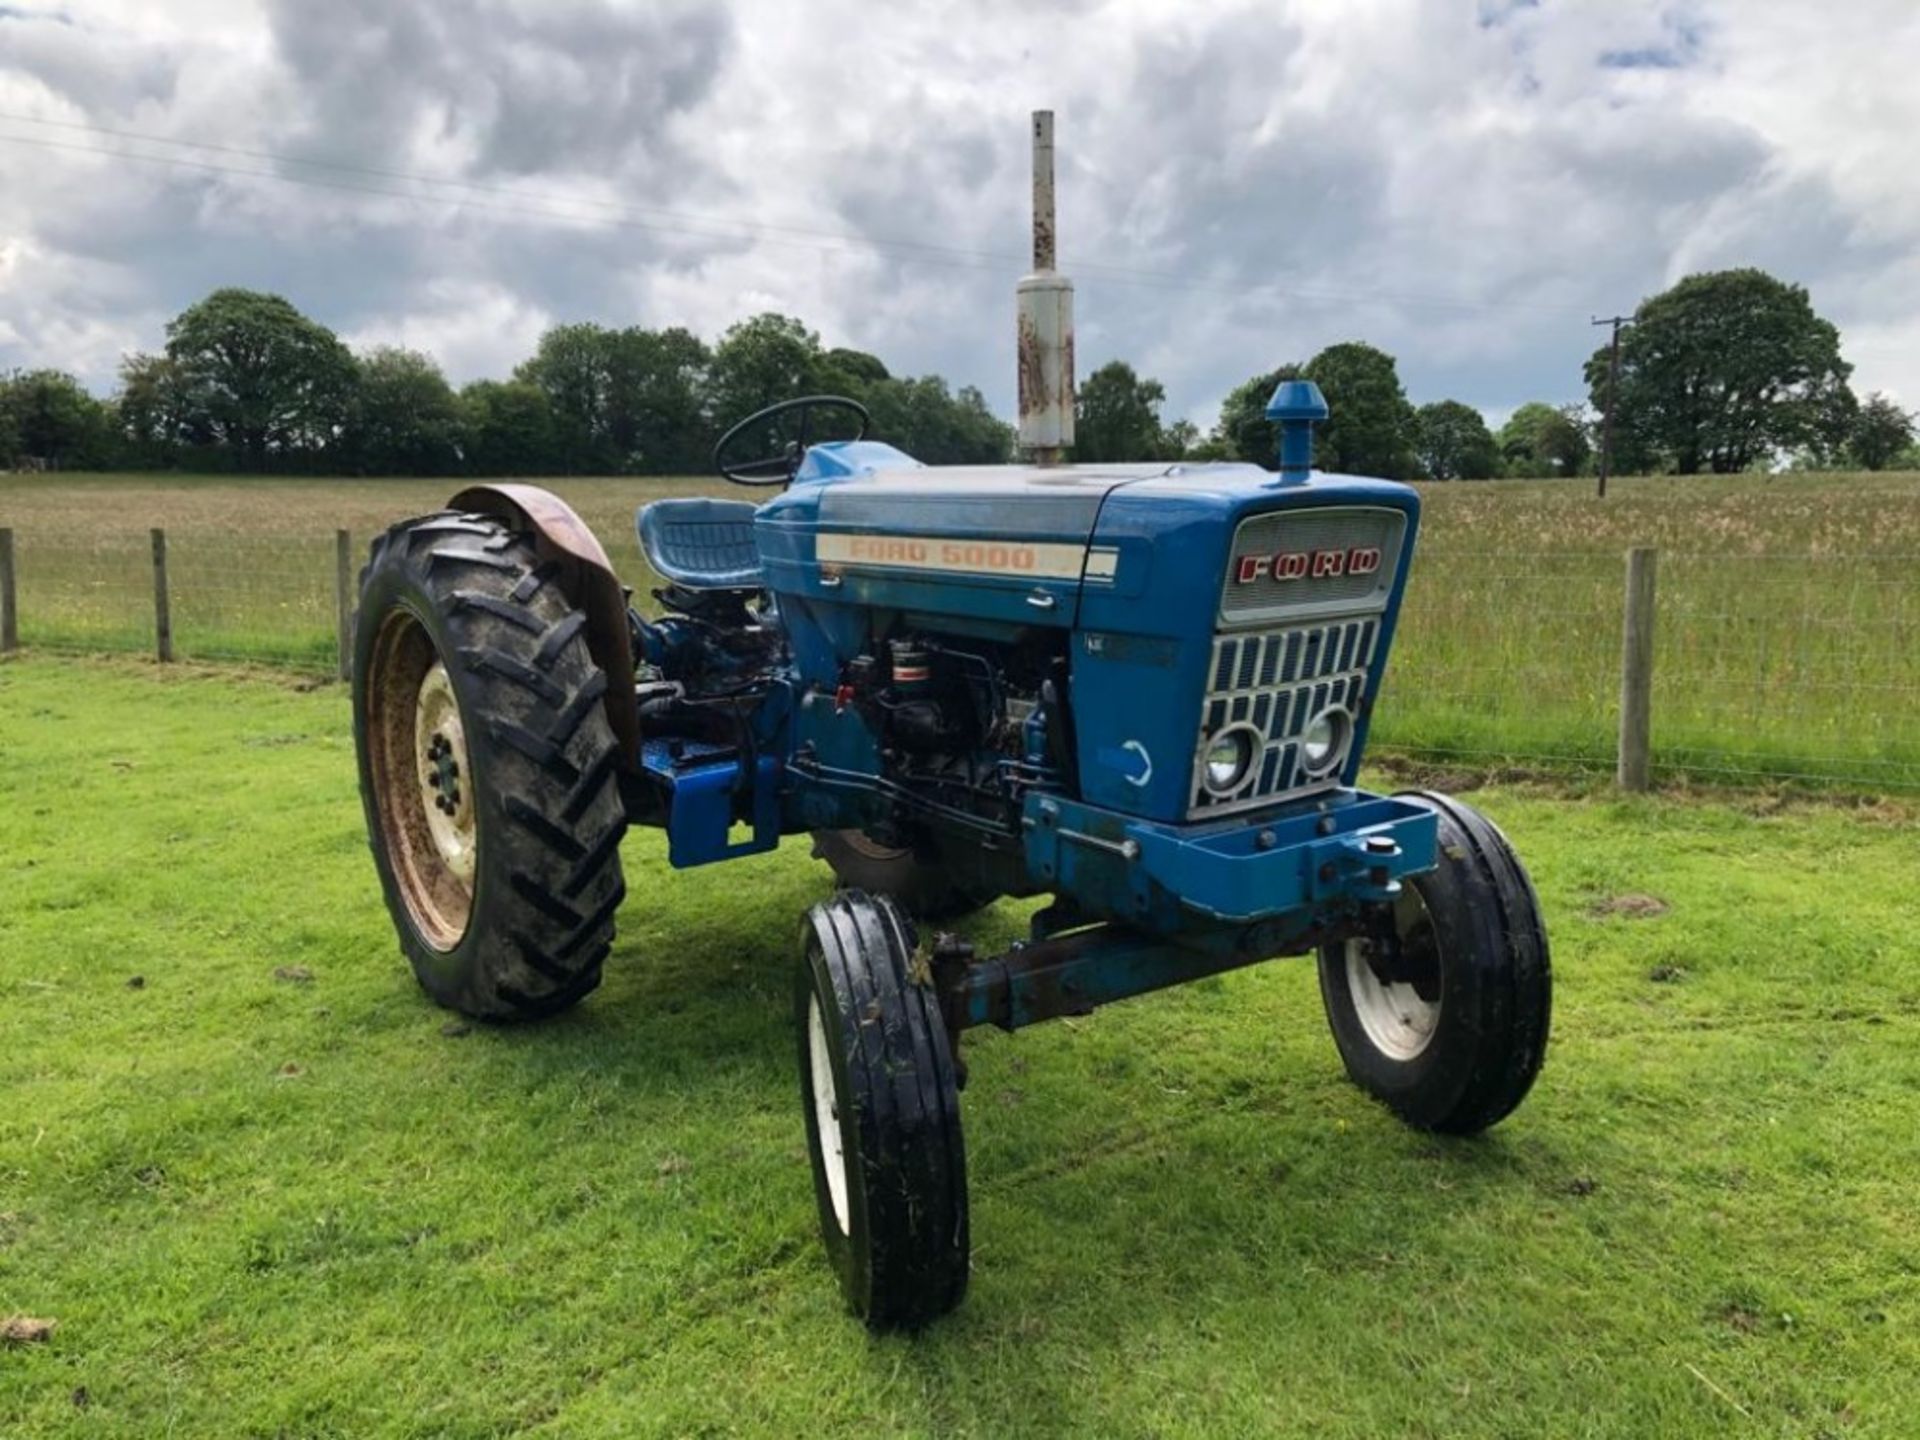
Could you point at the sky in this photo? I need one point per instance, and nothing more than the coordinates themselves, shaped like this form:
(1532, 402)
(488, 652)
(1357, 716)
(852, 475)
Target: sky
(1464, 183)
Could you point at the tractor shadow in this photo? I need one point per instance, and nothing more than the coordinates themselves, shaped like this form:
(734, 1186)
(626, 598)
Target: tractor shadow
(1106, 1204)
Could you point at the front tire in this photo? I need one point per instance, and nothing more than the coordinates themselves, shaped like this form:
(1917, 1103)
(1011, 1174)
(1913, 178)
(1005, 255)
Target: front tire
(882, 1112)
(487, 768)
(1446, 1023)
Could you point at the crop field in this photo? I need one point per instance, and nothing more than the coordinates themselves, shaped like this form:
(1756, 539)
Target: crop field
(264, 1188)
(1788, 636)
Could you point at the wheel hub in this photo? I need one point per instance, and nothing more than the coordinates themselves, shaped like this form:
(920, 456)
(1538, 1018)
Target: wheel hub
(441, 765)
(1394, 981)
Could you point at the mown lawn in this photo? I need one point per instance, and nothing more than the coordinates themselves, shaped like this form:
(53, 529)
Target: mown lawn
(266, 1189)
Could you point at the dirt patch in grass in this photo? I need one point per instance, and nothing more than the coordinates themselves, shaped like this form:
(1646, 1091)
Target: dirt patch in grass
(1629, 907)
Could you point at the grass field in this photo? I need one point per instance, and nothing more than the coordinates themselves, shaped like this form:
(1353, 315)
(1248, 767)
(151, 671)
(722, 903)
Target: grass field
(1788, 645)
(266, 1189)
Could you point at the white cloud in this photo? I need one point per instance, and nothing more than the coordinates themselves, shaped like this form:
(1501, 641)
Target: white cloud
(1241, 184)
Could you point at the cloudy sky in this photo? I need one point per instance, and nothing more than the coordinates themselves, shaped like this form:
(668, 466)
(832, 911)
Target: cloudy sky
(1462, 182)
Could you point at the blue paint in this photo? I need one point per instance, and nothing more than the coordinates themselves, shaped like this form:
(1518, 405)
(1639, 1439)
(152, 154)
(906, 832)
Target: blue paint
(1296, 407)
(1126, 565)
(703, 783)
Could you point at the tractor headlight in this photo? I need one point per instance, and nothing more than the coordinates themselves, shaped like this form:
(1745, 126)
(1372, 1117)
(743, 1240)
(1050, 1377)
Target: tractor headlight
(1323, 744)
(1227, 759)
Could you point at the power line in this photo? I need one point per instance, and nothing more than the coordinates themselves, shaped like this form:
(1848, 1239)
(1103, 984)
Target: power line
(704, 226)
(509, 192)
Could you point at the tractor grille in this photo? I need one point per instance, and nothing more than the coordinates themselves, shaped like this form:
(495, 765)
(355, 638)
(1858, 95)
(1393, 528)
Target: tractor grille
(1274, 681)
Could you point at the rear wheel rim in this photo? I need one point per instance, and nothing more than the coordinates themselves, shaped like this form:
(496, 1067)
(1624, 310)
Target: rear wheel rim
(422, 780)
(1399, 1012)
(826, 1114)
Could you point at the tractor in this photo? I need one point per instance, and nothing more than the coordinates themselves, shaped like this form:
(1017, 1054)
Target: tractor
(1140, 690)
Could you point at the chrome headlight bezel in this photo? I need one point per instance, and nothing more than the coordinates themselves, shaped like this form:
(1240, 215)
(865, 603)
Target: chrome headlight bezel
(1321, 759)
(1244, 743)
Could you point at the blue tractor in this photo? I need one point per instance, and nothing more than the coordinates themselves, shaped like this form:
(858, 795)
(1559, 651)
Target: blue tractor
(1140, 690)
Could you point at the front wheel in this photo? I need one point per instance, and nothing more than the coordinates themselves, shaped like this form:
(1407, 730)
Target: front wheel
(1442, 1013)
(882, 1110)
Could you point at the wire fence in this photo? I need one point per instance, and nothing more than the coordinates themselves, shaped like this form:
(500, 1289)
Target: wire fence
(1801, 668)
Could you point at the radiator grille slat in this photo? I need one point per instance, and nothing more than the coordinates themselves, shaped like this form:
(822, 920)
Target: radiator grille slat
(1274, 681)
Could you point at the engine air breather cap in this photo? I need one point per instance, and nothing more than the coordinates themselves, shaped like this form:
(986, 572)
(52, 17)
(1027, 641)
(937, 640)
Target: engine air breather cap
(1295, 407)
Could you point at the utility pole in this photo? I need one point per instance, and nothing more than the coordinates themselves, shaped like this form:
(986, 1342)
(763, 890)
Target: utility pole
(1613, 383)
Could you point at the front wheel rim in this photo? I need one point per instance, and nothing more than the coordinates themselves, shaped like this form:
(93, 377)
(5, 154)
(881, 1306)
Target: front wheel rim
(826, 1114)
(1400, 1013)
(1398, 1022)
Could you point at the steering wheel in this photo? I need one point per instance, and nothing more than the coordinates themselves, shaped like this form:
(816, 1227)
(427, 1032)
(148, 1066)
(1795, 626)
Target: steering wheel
(772, 426)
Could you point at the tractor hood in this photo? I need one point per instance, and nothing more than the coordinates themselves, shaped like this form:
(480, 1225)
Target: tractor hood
(864, 524)
(1135, 547)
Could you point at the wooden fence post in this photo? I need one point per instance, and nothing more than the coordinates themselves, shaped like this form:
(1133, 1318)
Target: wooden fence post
(9, 598)
(1636, 673)
(343, 597)
(162, 608)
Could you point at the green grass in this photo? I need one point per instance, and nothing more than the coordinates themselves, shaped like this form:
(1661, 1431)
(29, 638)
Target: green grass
(1788, 625)
(261, 1206)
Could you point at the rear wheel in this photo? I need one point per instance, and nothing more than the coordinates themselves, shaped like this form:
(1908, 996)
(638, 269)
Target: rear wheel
(1442, 1015)
(487, 768)
(919, 882)
(882, 1113)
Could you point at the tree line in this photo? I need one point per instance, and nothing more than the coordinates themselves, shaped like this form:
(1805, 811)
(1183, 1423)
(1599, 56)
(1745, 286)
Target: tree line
(1724, 372)
(248, 383)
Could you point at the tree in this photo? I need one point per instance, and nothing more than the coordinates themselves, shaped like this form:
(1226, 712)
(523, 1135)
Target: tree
(1181, 441)
(760, 361)
(1117, 416)
(1724, 370)
(157, 413)
(50, 417)
(573, 367)
(1453, 442)
(841, 367)
(9, 427)
(509, 428)
(624, 401)
(1881, 432)
(1244, 432)
(262, 378)
(406, 419)
(1371, 427)
(1539, 440)
(661, 421)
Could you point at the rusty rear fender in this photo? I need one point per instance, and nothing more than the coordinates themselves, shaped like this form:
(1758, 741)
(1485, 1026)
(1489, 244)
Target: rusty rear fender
(587, 579)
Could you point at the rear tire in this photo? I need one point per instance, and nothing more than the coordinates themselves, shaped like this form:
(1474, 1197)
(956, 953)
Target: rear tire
(882, 1111)
(921, 884)
(487, 768)
(1450, 1031)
